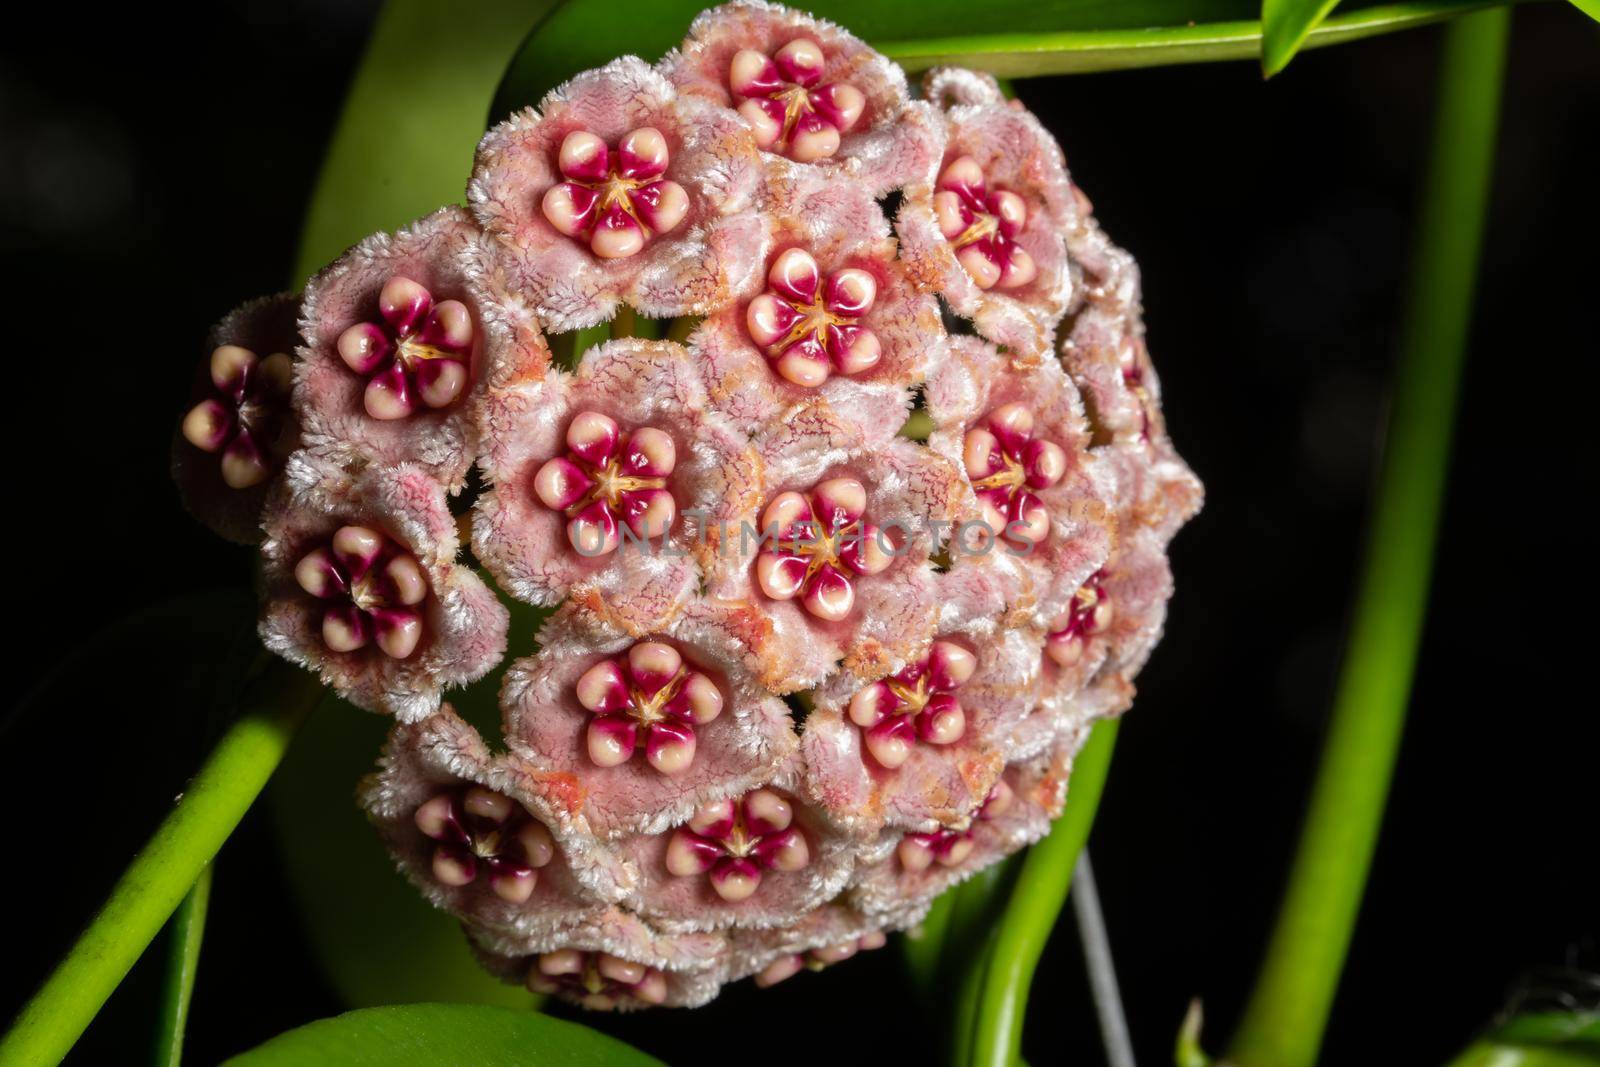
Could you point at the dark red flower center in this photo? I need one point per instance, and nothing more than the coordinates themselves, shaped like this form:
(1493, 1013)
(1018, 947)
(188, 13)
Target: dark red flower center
(483, 834)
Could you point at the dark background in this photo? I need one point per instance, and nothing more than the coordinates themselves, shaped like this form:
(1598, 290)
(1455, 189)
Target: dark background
(153, 179)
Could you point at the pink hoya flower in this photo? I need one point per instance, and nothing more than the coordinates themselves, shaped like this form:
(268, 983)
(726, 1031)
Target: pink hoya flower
(753, 860)
(733, 841)
(1017, 811)
(815, 959)
(812, 93)
(617, 190)
(835, 318)
(823, 937)
(985, 226)
(1106, 356)
(360, 584)
(479, 836)
(916, 705)
(836, 558)
(233, 440)
(1096, 647)
(397, 350)
(648, 729)
(924, 744)
(605, 482)
(720, 524)
(1097, 644)
(616, 962)
(1019, 433)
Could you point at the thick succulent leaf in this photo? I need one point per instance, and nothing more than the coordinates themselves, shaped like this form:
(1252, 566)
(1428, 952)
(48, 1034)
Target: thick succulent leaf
(1538, 1039)
(1022, 38)
(1285, 25)
(432, 1035)
(404, 141)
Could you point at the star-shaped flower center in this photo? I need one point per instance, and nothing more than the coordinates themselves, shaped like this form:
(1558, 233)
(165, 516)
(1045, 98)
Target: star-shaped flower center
(650, 698)
(1130, 357)
(950, 846)
(787, 107)
(1008, 467)
(373, 588)
(982, 226)
(733, 841)
(243, 418)
(917, 704)
(819, 958)
(1089, 613)
(483, 833)
(808, 326)
(598, 980)
(615, 199)
(609, 479)
(815, 545)
(417, 357)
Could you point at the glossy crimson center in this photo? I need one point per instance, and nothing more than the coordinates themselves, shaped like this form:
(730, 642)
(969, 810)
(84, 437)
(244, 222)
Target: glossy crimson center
(373, 590)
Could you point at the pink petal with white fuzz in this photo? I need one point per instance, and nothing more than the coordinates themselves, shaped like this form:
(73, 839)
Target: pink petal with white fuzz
(435, 427)
(636, 385)
(735, 749)
(744, 891)
(570, 880)
(1016, 303)
(711, 178)
(839, 227)
(672, 970)
(869, 104)
(462, 626)
(1038, 787)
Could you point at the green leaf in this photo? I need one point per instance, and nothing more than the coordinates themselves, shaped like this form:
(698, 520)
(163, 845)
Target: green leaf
(443, 1035)
(1022, 38)
(922, 948)
(1588, 7)
(404, 141)
(1285, 25)
(1538, 1039)
(1552, 1028)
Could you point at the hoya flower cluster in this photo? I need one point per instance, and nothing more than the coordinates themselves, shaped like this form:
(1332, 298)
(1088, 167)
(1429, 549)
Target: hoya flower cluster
(802, 671)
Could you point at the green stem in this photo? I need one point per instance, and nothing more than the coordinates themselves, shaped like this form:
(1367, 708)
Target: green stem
(188, 930)
(923, 950)
(163, 872)
(969, 990)
(1089, 51)
(625, 323)
(1288, 1012)
(1035, 903)
(682, 326)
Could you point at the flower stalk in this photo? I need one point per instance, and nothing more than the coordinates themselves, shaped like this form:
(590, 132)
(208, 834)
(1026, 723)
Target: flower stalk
(1288, 1012)
(165, 870)
(1030, 913)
